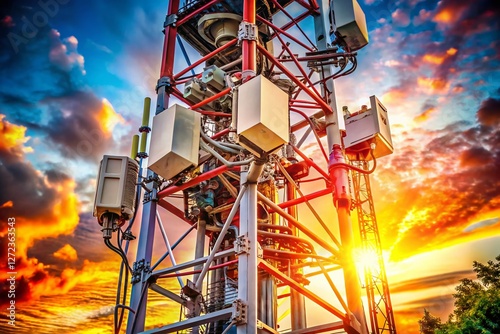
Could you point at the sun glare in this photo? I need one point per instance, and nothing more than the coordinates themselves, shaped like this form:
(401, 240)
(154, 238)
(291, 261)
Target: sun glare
(366, 260)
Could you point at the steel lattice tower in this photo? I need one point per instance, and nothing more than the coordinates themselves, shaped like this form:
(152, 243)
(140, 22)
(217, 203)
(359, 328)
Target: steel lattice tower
(239, 173)
(377, 286)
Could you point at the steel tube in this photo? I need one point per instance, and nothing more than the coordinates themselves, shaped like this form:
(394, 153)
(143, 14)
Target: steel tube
(311, 163)
(296, 20)
(203, 177)
(247, 261)
(199, 250)
(206, 57)
(326, 108)
(281, 31)
(221, 133)
(213, 113)
(167, 293)
(167, 57)
(297, 224)
(138, 294)
(248, 47)
(299, 200)
(301, 124)
(167, 243)
(297, 301)
(193, 322)
(306, 5)
(211, 98)
(314, 4)
(174, 210)
(220, 238)
(284, 11)
(186, 273)
(191, 264)
(294, 285)
(296, 62)
(173, 246)
(320, 144)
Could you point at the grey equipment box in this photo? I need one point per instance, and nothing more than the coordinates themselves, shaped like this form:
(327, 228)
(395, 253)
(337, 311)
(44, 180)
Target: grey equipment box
(263, 124)
(351, 23)
(175, 140)
(116, 187)
(366, 127)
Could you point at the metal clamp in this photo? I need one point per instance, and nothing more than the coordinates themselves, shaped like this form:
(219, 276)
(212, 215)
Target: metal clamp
(150, 197)
(139, 268)
(247, 31)
(264, 327)
(108, 227)
(239, 316)
(170, 20)
(163, 82)
(260, 251)
(242, 245)
(128, 235)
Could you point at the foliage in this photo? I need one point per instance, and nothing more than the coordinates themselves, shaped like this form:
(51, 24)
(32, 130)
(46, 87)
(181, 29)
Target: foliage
(429, 323)
(477, 304)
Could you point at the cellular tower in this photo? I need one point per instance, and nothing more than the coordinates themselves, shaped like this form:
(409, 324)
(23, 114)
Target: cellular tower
(225, 157)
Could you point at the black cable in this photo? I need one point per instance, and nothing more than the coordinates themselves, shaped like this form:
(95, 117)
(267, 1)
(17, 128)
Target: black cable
(137, 200)
(338, 74)
(108, 243)
(119, 242)
(359, 170)
(125, 286)
(118, 323)
(117, 251)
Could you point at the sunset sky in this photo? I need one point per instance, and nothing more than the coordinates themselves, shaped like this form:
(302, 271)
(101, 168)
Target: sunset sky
(72, 82)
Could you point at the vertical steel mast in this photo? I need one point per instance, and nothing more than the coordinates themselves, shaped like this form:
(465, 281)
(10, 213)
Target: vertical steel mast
(224, 159)
(377, 286)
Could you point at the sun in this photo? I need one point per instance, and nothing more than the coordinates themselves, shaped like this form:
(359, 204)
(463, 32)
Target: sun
(366, 261)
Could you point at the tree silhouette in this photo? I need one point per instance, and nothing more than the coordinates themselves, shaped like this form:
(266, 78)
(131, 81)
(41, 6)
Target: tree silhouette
(477, 304)
(429, 323)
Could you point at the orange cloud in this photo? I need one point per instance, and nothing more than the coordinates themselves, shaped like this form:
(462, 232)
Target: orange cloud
(394, 95)
(489, 112)
(8, 204)
(475, 157)
(433, 59)
(425, 115)
(451, 51)
(44, 205)
(13, 137)
(108, 118)
(430, 194)
(444, 16)
(438, 59)
(447, 13)
(61, 218)
(433, 85)
(458, 89)
(36, 281)
(66, 253)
